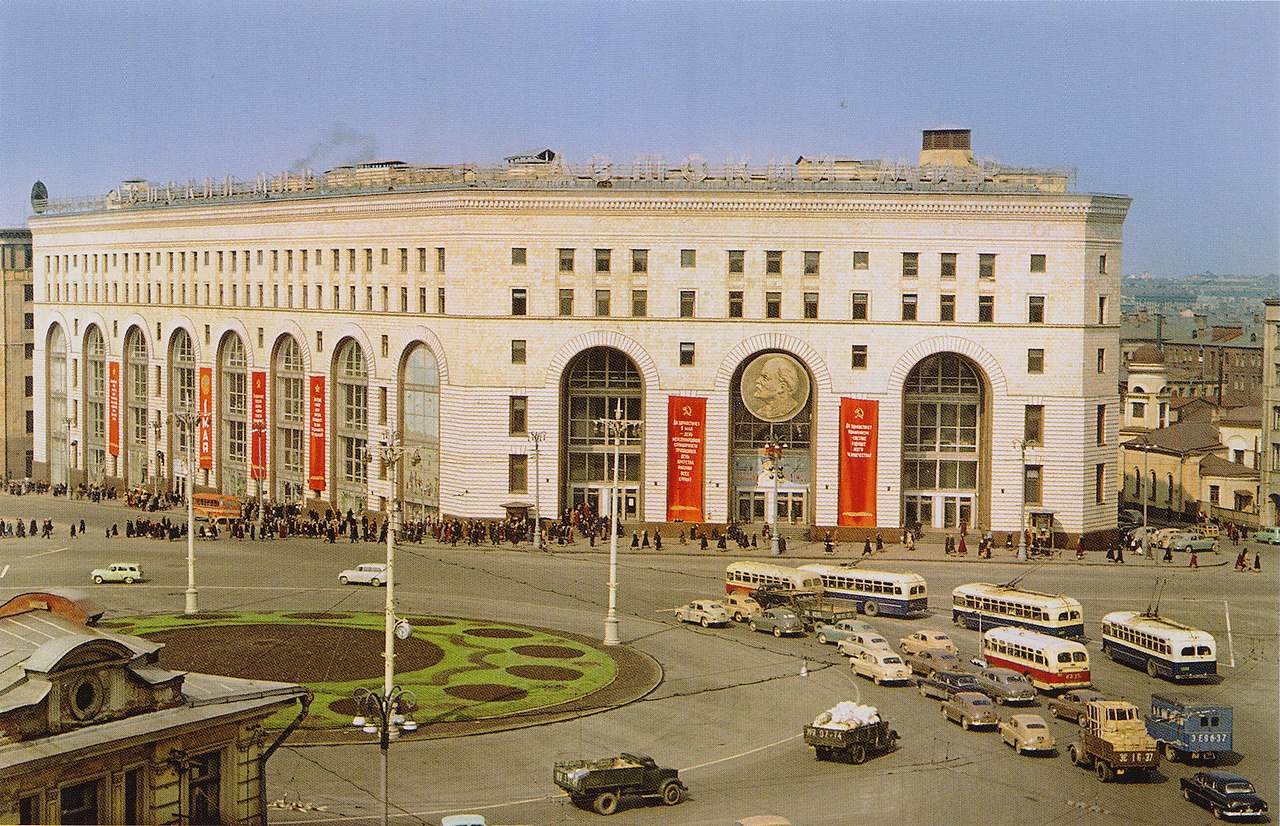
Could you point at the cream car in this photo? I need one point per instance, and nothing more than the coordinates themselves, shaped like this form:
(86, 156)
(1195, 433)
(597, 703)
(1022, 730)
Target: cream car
(880, 666)
(704, 612)
(864, 641)
(1027, 733)
(740, 607)
(916, 642)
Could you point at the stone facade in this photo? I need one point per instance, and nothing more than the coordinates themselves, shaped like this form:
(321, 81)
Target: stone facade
(17, 308)
(1269, 461)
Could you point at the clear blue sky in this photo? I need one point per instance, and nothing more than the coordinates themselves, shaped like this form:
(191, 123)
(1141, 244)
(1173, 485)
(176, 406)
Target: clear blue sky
(1174, 104)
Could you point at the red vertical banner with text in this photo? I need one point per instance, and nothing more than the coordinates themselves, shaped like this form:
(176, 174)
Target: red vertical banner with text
(859, 430)
(316, 429)
(686, 429)
(113, 408)
(258, 424)
(206, 418)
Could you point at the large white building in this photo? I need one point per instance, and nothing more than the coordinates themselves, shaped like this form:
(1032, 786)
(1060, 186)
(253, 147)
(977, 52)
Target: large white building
(897, 337)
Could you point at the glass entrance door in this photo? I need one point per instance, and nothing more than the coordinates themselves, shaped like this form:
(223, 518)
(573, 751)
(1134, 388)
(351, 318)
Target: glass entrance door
(792, 506)
(957, 511)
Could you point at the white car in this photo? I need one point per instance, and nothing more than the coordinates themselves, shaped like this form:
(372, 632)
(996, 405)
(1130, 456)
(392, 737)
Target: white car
(920, 640)
(880, 666)
(126, 572)
(704, 612)
(864, 641)
(740, 606)
(370, 573)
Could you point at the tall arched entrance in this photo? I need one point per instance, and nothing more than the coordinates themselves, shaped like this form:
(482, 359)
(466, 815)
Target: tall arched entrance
(233, 403)
(135, 423)
(58, 427)
(770, 440)
(597, 384)
(943, 434)
(351, 426)
(287, 468)
(95, 404)
(183, 442)
(419, 480)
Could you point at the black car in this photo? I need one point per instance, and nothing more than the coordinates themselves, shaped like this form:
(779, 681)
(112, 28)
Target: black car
(943, 685)
(1223, 793)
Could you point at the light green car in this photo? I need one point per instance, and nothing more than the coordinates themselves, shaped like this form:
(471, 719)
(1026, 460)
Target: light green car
(842, 630)
(126, 572)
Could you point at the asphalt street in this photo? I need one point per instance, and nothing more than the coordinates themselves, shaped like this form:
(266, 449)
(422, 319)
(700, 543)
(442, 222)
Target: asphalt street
(731, 706)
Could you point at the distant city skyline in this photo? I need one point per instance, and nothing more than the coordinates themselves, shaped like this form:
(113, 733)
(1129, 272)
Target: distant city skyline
(1176, 105)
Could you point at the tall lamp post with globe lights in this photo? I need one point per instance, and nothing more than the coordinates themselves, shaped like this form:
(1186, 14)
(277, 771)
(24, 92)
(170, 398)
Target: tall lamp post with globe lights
(188, 417)
(1022, 445)
(537, 437)
(614, 429)
(773, 450)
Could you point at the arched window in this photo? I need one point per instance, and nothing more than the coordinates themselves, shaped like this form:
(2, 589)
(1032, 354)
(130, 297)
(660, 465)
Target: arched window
(58, 425)
(941, 450)
(135, 406)
(289, 419)
(1169, 492)
(1151, 488)
(233, 375)
(351, 426)
(183, 399)
(95, 404)
(596, 382)
(419, 482)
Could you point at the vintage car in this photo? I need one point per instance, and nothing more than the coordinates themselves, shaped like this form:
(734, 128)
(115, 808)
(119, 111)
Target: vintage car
(943, 685)
(1223, 793)
(779, 621)
(918, 641)
(863, 640)
(740, 606)
(1268, 535)
(1004, 685)
(1027, 733)
(880, 666)
(971, 709)
(1193, 541)
(126, 572)
(1070, 705)
(930, 660)
(704, 612)
(841, 630)
(370, 573)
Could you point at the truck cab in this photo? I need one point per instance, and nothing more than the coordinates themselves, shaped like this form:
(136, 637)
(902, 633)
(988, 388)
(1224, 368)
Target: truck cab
(1113, 741)
(1188, 729)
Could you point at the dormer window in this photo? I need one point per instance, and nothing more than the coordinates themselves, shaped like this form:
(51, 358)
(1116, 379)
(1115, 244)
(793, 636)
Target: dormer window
(87, 697)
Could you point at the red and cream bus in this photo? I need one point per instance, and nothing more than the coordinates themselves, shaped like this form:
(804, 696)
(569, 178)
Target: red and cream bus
(747, 576)
(1049, 663)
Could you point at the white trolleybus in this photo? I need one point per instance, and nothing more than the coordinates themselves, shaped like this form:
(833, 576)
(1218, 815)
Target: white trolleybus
(1163, 647)
(745, 577)
(981, 605)
(873, 592)
(1049, 663)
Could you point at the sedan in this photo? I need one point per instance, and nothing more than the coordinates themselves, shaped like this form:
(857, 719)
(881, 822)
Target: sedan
(1027, 733)
(971, 709)
(880, 666)
(864, 640)
(126, 572)
(920, 640)
(1070, 704)
(704, 612)
(842, 630)
(740, 606)
(1004, 685)
(1193, 542)
(370, 573)
(777, 620)
(1223, 793)
(943, 685)
(930, 660)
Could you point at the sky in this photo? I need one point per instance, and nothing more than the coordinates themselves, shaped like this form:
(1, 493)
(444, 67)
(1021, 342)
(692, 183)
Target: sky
(1176, 105)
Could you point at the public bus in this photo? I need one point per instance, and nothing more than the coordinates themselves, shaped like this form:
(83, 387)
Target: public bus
(981, 605)
(873, 592)
(1161, 646)
(747, 576)
(216, 507)
(1049, 663)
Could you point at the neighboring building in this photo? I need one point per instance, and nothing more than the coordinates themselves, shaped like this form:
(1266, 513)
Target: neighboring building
(93, 731)
(893, 331)
(1216, 359)
(1269, 460)
(17, 423)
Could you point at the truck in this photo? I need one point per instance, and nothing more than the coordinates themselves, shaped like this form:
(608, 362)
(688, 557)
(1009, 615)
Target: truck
(850, 732)
(1113, 741)
(1189, 729)
(815, 611)
(599, 784)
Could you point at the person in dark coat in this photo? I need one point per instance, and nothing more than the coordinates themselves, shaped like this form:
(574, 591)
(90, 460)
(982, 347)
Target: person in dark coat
(866, 548)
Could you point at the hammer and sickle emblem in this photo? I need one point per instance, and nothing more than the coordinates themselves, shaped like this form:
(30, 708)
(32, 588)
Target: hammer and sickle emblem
(686, 410)
(859, 413)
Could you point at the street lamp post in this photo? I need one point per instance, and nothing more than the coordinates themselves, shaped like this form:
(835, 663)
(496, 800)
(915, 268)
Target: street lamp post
(1146, 531)
(189, 418)
(258, 428)
(1022, 444)
(773, 449)
(156, 428)
(614, 428)
(70, 423)
(381, 713)
(537, 436)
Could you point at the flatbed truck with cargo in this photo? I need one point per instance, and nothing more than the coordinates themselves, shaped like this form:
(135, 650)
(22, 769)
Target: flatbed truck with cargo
(599, 784)
(1113, 741)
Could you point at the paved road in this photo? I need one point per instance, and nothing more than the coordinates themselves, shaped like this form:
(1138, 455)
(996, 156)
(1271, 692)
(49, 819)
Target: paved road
(732, 703)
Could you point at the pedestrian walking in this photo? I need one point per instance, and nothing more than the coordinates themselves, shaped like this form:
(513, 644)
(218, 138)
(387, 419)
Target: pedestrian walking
(657, 540)
(1257, 563)
(866, 548)
(1195, 561)
(1120, 556)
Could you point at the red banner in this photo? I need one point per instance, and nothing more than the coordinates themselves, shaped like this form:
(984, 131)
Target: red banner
(316, 424)
(859, 426)
(686, 429)
(206, 418)
(258, 424)
(113, 408)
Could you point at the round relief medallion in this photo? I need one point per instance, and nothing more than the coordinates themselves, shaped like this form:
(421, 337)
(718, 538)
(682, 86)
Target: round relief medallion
(775, 387)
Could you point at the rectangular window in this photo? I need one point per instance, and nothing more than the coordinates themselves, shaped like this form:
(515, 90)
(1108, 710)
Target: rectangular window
(566, 260)
(1139, 410)
(439, 259)
(861, 260)
(1100, 424)
(1037, 262)
(1102, 359)
(1100, 484)
(947, 266)
(810, 305)
(773, 305)
(337, 297)
(909, 306)
(1102, 309)
(811, 263)
(566, 302)
(735, 304)
(519, 301)
(686, 353)
(384, 258)
(31, 421)
(518, 350)
(404, 299)
(859, 357)
(1215, 494)
(422, 298)
(368, 260)
(1033, 424)
(946, 307)
(987, 266)
(639, 260)
(28, 321)
(859, 312)
(29, 810)
(1102, 264)
(83, 803)
(1035, 309)
(639, 303)
(910, 264)
(1032, 484)
(602, 302)
(440, 300)
(1035, 360)
(204, 787)
(986, 309)
(29, 383)
(688, 258)
(603, 260)
(737, 261)
(517, 473)
(404, 259)
(687, 303)
(519, 256)
(517, 415)
(773, 262)
(335, 259)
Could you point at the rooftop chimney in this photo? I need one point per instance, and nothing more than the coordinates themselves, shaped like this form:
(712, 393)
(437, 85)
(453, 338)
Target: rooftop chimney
(942, 147)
